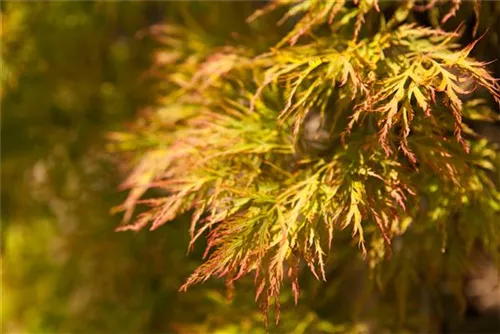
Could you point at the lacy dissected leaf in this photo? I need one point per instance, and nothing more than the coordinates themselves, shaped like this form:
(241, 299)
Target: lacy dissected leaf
(303, 71)
(429, 74)
(313, 14)
(316, 13)
(224, 146)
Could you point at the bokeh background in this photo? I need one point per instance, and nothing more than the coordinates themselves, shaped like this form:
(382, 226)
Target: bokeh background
(71, 73)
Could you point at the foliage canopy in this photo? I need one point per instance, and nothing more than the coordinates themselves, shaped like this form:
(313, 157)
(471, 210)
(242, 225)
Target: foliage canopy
(335, 144)
(228, 141)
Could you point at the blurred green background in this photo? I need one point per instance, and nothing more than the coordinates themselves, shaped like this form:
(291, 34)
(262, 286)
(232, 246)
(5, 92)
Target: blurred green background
(71, 73)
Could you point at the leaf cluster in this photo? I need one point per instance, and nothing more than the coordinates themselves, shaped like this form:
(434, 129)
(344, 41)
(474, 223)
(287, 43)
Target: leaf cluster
(224, 146)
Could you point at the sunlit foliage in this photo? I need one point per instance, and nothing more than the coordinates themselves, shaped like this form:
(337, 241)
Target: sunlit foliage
(325, 156)
(225, 145)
